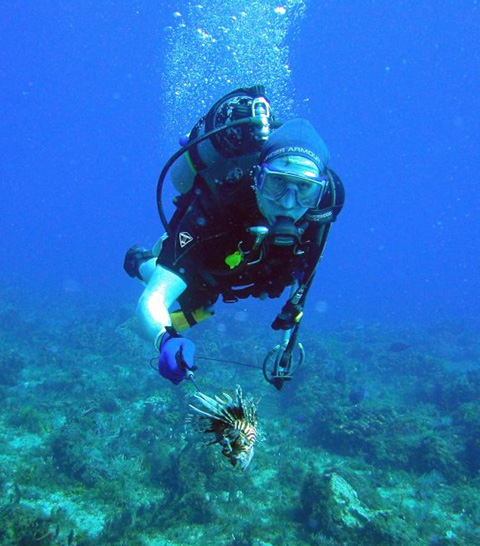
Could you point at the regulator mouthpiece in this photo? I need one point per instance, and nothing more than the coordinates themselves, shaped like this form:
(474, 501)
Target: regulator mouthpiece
(284, 232)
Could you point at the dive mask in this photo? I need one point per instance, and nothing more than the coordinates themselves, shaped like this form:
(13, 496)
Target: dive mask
(276, 184)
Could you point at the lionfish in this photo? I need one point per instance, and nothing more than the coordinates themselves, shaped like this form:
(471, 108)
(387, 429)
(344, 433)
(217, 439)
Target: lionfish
(233, 422)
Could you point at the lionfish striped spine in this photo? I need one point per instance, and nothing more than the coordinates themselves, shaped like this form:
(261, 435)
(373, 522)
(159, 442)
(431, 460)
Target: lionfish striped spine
(233, 422)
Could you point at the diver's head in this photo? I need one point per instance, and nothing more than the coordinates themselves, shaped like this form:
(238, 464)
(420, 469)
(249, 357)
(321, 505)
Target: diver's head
(288, 186)
(291, 176)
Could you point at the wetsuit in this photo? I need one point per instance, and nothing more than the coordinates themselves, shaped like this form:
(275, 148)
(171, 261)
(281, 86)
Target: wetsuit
(211, 249)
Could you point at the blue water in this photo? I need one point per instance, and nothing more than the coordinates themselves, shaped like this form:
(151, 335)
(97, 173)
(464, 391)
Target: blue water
(392, 87)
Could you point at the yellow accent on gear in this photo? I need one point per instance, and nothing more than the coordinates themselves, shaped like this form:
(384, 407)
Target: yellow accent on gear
(190, 163)
(180, 322)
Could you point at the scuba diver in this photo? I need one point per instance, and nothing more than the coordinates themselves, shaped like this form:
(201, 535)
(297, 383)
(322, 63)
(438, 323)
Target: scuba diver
(256, 202)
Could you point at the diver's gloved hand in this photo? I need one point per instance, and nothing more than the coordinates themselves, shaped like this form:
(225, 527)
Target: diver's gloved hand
(176, 357)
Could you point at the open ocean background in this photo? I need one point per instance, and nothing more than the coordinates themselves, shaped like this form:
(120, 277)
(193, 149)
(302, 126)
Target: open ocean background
(93, 98)
(392, 87)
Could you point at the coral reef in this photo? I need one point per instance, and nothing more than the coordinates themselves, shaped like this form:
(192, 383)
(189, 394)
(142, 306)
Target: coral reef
(374, 442)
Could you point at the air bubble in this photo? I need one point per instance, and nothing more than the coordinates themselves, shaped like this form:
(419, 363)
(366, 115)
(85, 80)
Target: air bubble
(217, 46)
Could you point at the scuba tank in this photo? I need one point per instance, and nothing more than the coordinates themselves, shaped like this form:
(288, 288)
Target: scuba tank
(227, 153)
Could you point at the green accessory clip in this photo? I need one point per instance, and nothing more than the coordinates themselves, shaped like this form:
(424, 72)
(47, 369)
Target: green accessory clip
(234, 260)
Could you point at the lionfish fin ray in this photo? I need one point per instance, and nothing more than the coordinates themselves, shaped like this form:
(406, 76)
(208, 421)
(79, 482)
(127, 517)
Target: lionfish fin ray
(213, 410)
(202, 412)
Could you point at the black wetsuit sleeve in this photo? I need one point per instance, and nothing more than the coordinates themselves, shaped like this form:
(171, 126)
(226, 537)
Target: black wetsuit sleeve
(196, 236)
(188, 229)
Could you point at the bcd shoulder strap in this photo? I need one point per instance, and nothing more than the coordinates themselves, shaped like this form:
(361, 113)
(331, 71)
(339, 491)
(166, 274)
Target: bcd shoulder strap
(321, 219)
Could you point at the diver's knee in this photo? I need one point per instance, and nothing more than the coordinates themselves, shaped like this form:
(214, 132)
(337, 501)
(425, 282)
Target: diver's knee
(147, 268)
(135, 259)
